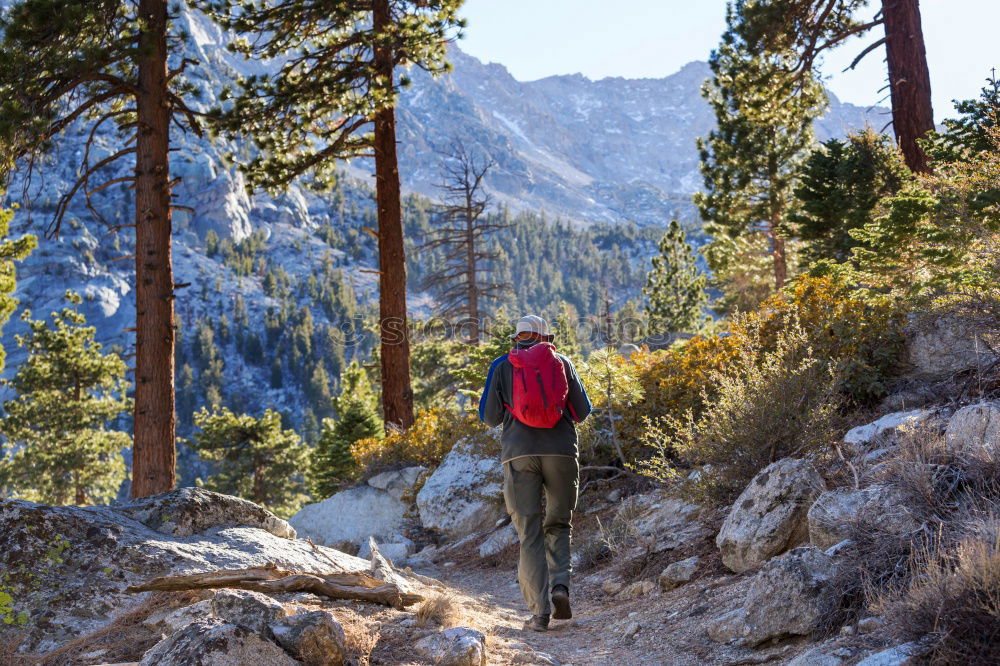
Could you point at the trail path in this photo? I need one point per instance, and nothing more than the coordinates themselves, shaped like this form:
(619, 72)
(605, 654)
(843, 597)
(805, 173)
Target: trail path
(670, 626)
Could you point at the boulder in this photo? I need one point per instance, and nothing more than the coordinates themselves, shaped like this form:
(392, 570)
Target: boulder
(901, 655)
(728, 627)
(252, 610)
(665, 521)
(502, 538)
(171, 620)
(464, 494)
(769, 517)
(678, 573)
(67, 567)
(975, 427)
(817, 656)
(638, 590)
(397, 482)
(942, 348)
(788, 596)
(352, 515)
(832, 514)
(315, 638)
(396, 550)
(459, 646)
(888, 427)
(213, 642)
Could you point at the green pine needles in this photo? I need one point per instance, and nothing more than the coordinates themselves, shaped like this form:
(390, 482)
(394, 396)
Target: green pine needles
(59, 448)
(254, 458)
(331, 464)
(675, 286)
(317, 108)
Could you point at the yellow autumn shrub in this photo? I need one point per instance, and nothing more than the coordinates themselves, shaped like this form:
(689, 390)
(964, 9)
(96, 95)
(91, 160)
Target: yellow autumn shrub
(426, 442)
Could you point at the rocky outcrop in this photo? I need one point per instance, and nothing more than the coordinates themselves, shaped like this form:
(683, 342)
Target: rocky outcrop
(67, 567)
(678, 573)
(397, 483)
(835, 511)
(888, 428)
(944, 347)
(769, 517)
(974, 428)
(314, 638)
(252, 610)
(788, 596)
(353, 516)
(504, 537)
(459, 646)
(216, 643)
(463, 495)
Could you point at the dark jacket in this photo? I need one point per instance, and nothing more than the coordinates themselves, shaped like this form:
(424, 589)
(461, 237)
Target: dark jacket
(518, 439)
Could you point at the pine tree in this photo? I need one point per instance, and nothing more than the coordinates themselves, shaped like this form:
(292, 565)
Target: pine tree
(11, 251)
(811, 27)
(839, 187)
(339, 79)
(331, 463)
(254, 458)
(749, 162)
(105, 61)
(675, 286)
(60, 449)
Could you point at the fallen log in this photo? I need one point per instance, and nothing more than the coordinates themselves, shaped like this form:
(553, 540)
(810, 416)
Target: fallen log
(269, 579)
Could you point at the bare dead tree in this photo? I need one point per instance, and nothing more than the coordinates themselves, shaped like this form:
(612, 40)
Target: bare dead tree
(463, 282)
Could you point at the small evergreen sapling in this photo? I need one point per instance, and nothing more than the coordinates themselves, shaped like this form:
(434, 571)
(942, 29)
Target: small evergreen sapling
(254, 458)
(331, 463)
(59, 447)
(675, 286)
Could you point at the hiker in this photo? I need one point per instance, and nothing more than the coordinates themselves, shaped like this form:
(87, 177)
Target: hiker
(537, 395)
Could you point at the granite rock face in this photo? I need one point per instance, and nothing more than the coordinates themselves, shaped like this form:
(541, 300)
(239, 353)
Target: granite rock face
(212, 642)
(974, 428)
(68, 567)
(352, 515)
(463, 495)
(769, 517)
(832, 514)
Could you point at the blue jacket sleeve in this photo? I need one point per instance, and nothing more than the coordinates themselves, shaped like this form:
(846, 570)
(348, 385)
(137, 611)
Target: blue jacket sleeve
(491, 406)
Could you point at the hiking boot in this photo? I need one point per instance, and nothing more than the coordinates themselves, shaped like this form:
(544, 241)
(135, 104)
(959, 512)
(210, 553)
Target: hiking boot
(538, 623)
(560, 603)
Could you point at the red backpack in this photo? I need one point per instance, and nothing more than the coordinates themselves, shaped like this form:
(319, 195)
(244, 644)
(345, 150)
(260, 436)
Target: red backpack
(540, 387)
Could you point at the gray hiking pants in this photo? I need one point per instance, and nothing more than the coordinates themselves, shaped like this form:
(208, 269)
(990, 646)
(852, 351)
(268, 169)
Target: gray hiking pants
(545, 539)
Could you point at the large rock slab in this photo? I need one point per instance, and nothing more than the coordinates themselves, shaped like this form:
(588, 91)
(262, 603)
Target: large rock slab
(212, 642)
(788, 597)
(67, 567)
(464, 494)
(833, 513)
(769, 517)
(975, 428)
(397, 482)
(944, 347)
(253, 610)
(354, 516)
(188, 511)
(889, 427)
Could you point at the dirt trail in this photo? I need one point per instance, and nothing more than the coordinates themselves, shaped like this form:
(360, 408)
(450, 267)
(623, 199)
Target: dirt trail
(670, 626)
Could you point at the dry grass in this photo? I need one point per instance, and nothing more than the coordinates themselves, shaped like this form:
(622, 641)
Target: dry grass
(954, 601)
(440, 610)
(360, 636)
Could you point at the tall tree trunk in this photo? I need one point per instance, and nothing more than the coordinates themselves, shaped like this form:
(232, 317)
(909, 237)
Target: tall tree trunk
(909, 79)
(154, 457)
(397, 393)
(780, 261)
(470, 253)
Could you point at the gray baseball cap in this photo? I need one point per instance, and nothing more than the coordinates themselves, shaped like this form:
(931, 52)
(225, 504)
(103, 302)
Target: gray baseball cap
(532, 324)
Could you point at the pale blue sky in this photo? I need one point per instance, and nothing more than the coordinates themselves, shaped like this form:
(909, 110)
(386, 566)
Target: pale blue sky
(654, 38)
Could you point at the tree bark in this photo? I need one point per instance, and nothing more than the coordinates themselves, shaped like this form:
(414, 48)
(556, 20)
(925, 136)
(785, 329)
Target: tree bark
(397, 393)
(153, 453)
(780, 261)
(475, 334)
(909, 79)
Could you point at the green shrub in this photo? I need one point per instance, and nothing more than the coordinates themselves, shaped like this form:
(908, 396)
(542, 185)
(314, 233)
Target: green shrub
(768, 405)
